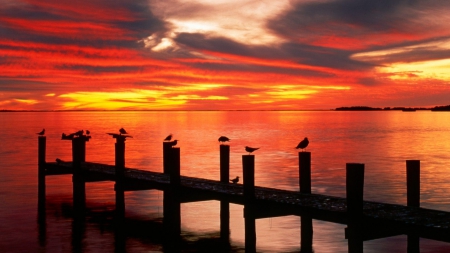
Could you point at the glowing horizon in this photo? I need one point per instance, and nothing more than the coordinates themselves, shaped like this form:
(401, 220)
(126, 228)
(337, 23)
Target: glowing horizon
(222, 55)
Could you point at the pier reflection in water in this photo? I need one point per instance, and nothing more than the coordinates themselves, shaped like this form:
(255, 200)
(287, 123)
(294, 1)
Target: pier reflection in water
(381, 140)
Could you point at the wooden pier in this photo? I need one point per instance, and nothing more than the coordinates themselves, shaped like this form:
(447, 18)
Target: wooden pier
(365, 220)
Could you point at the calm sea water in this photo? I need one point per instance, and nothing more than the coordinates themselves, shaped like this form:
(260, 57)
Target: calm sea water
(380, 140)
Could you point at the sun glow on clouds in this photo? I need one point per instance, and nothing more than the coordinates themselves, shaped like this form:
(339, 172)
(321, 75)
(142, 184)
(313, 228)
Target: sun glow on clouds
(241, 21)
(411, 67)
(163, 98)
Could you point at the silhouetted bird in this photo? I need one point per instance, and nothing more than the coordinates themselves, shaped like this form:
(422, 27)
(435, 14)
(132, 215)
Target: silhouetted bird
(303, 144)
(41, 132)
(173, 143)
(249, 149)
(122, 131)
(168, 138)
(235, 180)
(67, 137)
(223, 139)
(88, 132)
(79, 133)
(58, 161)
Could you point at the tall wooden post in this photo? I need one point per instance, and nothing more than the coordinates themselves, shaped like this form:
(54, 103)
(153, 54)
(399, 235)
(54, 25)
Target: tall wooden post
(224, 163)
(355, 193)
(413, 199)
(224, 204)
(413, 182)
(171, 202)
(306, 231)
(79, 190)
(304, 168)
(120, 176)
(41, 175)
(248, 163)
(167, 148)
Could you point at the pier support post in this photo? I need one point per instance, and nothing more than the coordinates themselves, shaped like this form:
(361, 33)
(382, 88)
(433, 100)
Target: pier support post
(167, 149)
(224, 204)
(171, 201)
(304, 168)
(120, 176)
(413, 182)
(306, 230)
(41, 176)
(355, 193)
(79, 190)
(413, 199)
(248, 163)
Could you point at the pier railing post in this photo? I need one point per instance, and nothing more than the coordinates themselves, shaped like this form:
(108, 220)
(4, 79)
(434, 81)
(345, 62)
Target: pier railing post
(306, 230)
(413, 182)
(79, 190)
(120, 176)
(355, 193)
(248, 163)
(41, 174)
(413, 199)
(167, 149)
(171, 201)
(304, 171)
(224, 163)
(224, 204)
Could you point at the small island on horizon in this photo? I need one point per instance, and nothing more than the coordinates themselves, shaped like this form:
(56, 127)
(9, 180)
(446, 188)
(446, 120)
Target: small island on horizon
(405, 109)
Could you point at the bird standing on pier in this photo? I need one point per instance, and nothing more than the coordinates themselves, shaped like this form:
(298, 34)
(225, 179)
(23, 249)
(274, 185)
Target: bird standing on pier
(173, 143)
(235, 180)
(249, 149)
(41, 132)
(168, 138)
(223, 139)
(79, 133)
(303, 144)
(58, 161)
(88, 132)
(122, 131)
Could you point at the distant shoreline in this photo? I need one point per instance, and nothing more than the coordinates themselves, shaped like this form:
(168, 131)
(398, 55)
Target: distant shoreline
(346, 108)
(406, 109)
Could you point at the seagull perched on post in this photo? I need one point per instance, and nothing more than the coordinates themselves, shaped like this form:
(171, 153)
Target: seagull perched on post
(41, 132)
(223, 139)
(249, 149)
(168, 138)
(173, 143)
(88, 132)
(303, 144)
(235, 180)
(122, 131)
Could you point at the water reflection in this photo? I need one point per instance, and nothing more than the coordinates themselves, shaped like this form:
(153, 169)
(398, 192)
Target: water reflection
(381, 140)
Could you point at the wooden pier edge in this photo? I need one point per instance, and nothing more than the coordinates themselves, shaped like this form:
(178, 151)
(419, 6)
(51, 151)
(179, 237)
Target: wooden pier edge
(347, 211)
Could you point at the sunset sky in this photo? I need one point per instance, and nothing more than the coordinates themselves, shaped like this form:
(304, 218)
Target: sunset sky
(223, 54)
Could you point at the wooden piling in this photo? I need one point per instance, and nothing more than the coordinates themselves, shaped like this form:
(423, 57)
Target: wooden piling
(248, 164)
(224, 204)
(167, 147)
(306, 229)
(413, 200)
(79, 190)
(41, 175)
(224, 163)
(355, 193)
(171, 201)
(120, 176)
(413, 182)
(304, 171)
(175, 168)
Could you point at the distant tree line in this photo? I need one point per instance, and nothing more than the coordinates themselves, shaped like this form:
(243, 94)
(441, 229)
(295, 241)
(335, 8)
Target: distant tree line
(400, 108)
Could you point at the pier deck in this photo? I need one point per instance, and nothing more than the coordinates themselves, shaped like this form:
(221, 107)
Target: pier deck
(379, 219)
